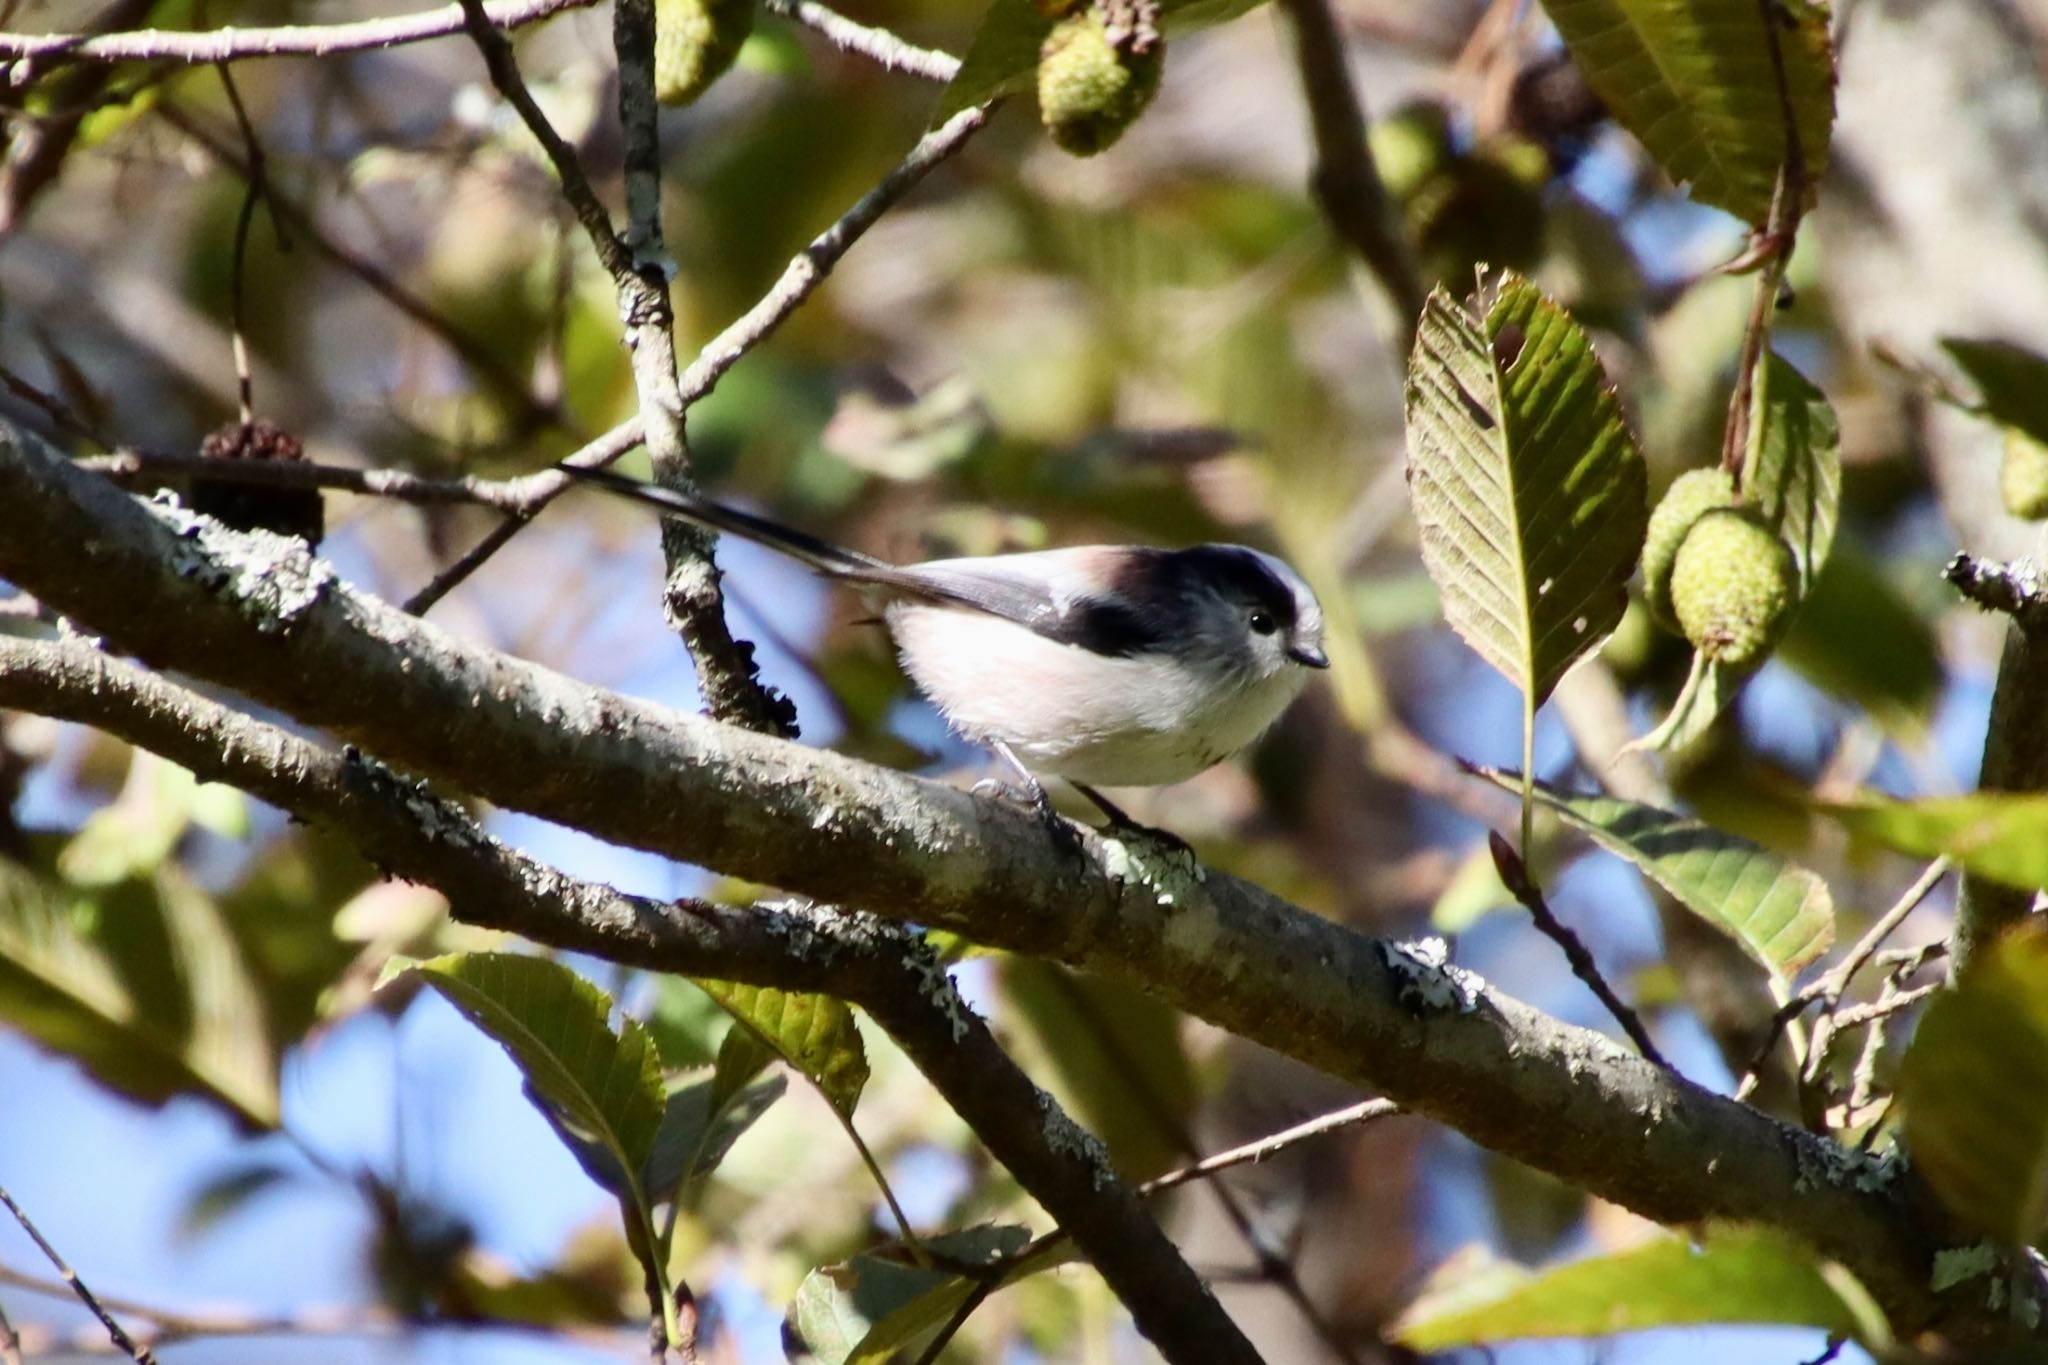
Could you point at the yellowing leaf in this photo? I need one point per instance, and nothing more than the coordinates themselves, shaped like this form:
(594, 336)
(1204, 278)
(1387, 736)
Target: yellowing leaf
(2003, 837)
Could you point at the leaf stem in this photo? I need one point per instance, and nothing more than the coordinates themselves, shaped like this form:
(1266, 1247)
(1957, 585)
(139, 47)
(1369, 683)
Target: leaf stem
(918, 1253)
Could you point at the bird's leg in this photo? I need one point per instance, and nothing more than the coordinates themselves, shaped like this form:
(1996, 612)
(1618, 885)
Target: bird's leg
(1033, 791)
(1122, 823)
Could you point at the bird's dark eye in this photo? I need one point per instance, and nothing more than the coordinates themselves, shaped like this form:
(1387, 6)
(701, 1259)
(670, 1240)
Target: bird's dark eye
(1263, 623)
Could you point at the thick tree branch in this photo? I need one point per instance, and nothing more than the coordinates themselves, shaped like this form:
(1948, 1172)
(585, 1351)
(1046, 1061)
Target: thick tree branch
(883, 967)
(258, 614)
(229, 44)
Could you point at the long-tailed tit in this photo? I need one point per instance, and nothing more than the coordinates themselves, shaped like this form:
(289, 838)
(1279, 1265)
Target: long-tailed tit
(1109, 665)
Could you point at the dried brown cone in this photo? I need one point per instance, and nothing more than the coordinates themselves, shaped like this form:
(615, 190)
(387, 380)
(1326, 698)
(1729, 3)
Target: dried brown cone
(254, 506)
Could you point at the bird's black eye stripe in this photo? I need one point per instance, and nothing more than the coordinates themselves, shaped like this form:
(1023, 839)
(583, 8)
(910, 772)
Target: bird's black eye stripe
(1263, 623)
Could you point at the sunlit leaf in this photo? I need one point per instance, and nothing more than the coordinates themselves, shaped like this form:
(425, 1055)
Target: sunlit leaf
(142, 984)
(602, 1088)
(1728, 1275)
(1526, 482)
(863, 1311)
(813, 1033)
(1694, 81)
(1975, 1089)
(1782, 914)
(1992, 834)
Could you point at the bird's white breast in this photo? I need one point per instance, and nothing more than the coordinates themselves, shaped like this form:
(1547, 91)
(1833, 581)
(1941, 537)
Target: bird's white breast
(1138, 721)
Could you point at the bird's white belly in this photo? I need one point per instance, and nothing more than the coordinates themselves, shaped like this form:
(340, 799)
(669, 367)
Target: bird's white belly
(1141, 721)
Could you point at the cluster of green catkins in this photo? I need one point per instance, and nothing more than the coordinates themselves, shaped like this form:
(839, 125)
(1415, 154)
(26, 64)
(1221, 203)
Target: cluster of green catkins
(1716, 571)
(1097, 70)
(694, 42)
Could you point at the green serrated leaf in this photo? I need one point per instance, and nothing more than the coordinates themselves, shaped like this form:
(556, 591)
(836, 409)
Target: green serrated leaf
(142, 984)
(1527, 484)
(1782, 914)
(698, 1127)
(1795, 477)
(1974, 1085)
(1991, 834)
(813, 1033)
(602, 1089)
(1693, 80)
(1730, 1274)
(1003, 56)
(863, 1311)
(2012, 382)
(1794, 482)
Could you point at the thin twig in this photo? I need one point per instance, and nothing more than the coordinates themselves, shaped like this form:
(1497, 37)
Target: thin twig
(297, 40)
(582, 199)
(1346, 182)
(1273, 1266)
(534, 492)
(876, 44)
(1884, 1007)
(257, 189)
(300, 222)
(1257, 1150)
(115, 1333)
(1514, 874)
(799, 279)
(10, 1341)
(1829, 989)
(139, 467)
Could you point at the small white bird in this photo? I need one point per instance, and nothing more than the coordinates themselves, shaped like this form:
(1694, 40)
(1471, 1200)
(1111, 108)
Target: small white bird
(1109, 665)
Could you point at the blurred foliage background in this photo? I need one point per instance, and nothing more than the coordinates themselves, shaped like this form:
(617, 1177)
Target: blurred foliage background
(201, 1101)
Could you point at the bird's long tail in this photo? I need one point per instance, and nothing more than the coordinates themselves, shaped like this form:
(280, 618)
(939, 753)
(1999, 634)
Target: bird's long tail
(821, 555)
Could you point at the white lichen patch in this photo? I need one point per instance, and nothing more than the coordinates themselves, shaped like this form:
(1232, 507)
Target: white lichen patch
(1191, 932)
(1070, 1139)
(1959, 1265)
(1823, 1161)
(1426, 978)
(1171, 874)
(272, 579)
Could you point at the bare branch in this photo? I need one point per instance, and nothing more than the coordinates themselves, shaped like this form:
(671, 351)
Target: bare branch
(115, 1332)
(876, 44)
(885, 968)
(1514, 874)
(257, 614)
(228, 44)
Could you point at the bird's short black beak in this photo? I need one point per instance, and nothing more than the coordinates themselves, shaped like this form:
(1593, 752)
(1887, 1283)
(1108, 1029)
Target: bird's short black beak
(1309, 656)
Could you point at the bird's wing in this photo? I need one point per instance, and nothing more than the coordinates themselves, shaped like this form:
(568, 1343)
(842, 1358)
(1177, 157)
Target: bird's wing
(1050, 593)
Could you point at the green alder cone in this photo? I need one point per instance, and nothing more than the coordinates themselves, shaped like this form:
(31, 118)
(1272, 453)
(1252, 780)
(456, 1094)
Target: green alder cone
(2023, 476)
(694, 42)
(1097, 70)
(1691, 495)
(1733, 586)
